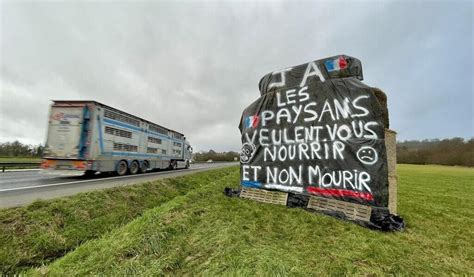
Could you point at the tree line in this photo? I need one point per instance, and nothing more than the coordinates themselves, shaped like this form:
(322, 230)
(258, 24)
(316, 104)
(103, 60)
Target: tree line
(18, 149)
(216, 156)
(455, 151)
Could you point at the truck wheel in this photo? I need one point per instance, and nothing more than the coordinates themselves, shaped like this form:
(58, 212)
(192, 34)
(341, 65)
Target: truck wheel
(134, 167)
(187, 164)
(122, 168)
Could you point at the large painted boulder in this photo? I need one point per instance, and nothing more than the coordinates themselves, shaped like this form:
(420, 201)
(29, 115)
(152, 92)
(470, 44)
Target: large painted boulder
(317, 130)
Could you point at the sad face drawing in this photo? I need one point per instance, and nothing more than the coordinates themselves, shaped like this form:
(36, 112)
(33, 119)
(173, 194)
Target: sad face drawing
(367, 155)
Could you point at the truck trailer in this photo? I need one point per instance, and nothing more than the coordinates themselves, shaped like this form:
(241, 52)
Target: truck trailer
(87, 137)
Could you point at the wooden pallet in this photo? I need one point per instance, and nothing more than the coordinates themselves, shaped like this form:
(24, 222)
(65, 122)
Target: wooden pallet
(350, 210)
(261, 195)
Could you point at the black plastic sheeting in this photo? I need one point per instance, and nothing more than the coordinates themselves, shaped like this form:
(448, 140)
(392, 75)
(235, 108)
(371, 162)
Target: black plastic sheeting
(318, 130)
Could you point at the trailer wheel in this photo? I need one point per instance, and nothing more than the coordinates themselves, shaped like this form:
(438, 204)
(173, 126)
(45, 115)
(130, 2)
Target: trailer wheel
(134, 167)
(144, 167)
(173, 165)
(122, 168)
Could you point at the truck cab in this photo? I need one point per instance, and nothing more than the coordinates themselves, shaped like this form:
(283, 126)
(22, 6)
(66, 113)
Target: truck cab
(188, 153)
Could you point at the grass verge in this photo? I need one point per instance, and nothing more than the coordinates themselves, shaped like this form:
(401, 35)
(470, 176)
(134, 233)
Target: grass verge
(19, 160)
(45, 230)
(204, 232)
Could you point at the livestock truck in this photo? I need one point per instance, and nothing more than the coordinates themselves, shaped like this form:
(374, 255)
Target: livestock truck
(86, 137)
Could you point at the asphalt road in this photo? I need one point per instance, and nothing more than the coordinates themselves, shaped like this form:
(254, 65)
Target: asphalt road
(19, 188)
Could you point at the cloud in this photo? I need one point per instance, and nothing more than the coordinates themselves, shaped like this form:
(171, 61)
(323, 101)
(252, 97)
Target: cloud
(194, 66)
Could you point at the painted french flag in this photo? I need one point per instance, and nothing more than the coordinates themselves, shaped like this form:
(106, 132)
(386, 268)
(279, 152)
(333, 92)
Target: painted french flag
(251, 121)
(337, 64)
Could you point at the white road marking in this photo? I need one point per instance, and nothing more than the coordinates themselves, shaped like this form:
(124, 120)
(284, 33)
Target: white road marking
(20, 170)
(101, 179)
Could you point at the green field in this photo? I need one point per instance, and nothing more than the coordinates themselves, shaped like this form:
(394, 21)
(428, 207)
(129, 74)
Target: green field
(187, 226)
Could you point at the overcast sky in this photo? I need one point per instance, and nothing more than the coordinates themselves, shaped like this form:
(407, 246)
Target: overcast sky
(194, 66)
